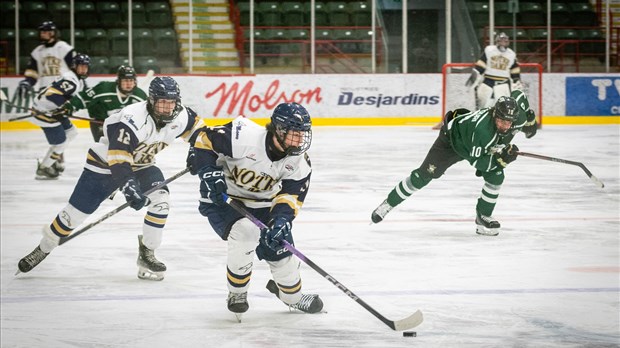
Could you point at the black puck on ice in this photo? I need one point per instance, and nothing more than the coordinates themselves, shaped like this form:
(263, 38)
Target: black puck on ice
(409, 334)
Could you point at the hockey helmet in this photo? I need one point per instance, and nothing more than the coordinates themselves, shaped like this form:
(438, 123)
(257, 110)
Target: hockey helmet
(45, 27)
(80, 59)
(163, 88)
(502, 41)
(126, 72)
(292, 127)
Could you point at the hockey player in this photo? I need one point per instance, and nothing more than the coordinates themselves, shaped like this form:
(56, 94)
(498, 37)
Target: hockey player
(483, 139)
(496, 73)
(48, 61)
(268, 170)
(107, 98)
(124, 159)
(49, 115)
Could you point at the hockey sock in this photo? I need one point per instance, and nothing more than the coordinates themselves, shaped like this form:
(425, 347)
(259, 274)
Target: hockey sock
(488, 199)
(406, 188)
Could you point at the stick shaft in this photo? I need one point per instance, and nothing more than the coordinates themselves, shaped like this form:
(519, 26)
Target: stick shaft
(118, 209)
(39, 112)
(559, 160)
(394, 326)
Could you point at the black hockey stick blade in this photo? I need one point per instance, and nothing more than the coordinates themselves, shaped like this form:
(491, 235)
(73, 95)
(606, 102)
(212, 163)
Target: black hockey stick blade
(121, 207)
(596, 181)
(399, 325)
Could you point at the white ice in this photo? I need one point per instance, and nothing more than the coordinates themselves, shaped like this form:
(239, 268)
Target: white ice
(550, 279)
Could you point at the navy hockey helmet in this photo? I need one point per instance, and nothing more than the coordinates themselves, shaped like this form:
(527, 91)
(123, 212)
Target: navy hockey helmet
(163, 88)
(80, 59)
(292, 126)
(48, 26)
(126, 72)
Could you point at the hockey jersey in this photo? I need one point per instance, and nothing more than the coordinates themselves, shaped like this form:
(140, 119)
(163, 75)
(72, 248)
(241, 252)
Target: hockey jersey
(48, 62)
(498, 65)
(104, 99)
(241, 149)
(54, 96)
(131, 140)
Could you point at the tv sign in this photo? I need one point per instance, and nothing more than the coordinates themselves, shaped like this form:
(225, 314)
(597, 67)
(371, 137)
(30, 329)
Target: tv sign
(593, 96)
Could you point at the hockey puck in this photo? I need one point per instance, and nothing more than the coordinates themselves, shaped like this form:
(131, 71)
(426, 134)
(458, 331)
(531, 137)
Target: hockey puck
(409, 334)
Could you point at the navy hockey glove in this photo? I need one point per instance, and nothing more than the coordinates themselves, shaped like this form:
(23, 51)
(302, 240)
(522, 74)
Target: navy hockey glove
(507, 155)
(133, 194)
(530, 127)
(213, 184)
(190, 161)
(279, 230)
(62, 112)
(24, 89)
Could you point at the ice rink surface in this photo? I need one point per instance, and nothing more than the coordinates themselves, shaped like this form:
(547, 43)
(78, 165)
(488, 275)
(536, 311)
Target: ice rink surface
(549, 279)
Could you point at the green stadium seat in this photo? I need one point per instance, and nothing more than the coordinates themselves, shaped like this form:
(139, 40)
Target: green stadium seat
(365, 37)
(60, 13)
(502, 16)
(86, 14)
(138, 14)
(269, 13)
(320, 13)
(159, 14)
(583, 15)
(144, 64)
(531, 14)
(345, 40)
(7, 14)
(166, 42)
(338, 14)
(324, 38)
(298, 38)
(244, 13)
(8, 35)
(479, 13)
(99, 65)
(110, 14)
(593, 41)
(520, 42)
(566, 34)
(292, 13)
(360, 12)
(80, 43)
(35, 13)
(560, 14)
(143, 43)
(119, 41)
(98, 44)
(117, 61)
(28, 40)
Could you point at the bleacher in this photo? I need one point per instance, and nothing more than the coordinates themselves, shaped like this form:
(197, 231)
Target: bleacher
(101, 31)
(576, 35)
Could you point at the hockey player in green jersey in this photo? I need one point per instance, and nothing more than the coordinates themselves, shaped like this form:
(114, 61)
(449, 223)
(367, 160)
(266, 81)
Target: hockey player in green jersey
(107, 98)
(483, 139)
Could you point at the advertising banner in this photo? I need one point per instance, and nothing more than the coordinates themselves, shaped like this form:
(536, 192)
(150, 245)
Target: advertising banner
(593, 95)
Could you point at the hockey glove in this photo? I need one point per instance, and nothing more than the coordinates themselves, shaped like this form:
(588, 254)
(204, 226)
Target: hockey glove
(133, 194)
(62, 112)
(24, 89)
(509, 154)
(530, 127)
(279, 230)
(213, 184)
(473, 79)
(190, 161)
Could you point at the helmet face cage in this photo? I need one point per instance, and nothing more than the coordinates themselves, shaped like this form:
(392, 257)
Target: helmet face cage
(506, 109)
(502, 41)
(48, 26)
(163, 88)
(292, 126)
(81, 59)
(126, 72)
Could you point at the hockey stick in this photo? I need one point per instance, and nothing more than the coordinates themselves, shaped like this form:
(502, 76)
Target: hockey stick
(553, 159)
(63, 240)
(407, 323)
(5, 100)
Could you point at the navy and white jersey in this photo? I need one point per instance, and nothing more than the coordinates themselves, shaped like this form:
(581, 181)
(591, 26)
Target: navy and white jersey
(131, 140)
(54, 96)
(498, 65)
(48, 62)
(241, 149)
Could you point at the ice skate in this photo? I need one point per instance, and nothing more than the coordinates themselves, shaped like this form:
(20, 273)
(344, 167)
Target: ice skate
(487, 225)
(59, 165)
(31, 260)
(309, 303)
(381, 211)
(46, 173)
(238, 303)
(149, 267)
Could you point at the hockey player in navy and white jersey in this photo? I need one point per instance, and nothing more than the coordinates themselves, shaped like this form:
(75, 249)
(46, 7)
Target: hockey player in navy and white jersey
(268, 170)
(48, 61)
(124, 159)
(496, 73)
(48, 113)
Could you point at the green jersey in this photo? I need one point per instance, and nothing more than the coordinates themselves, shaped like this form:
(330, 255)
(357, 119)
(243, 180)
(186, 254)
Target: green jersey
(104, 99)
(474, 137)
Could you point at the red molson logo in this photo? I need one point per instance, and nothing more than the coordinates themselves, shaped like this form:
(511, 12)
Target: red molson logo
(246, 98)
